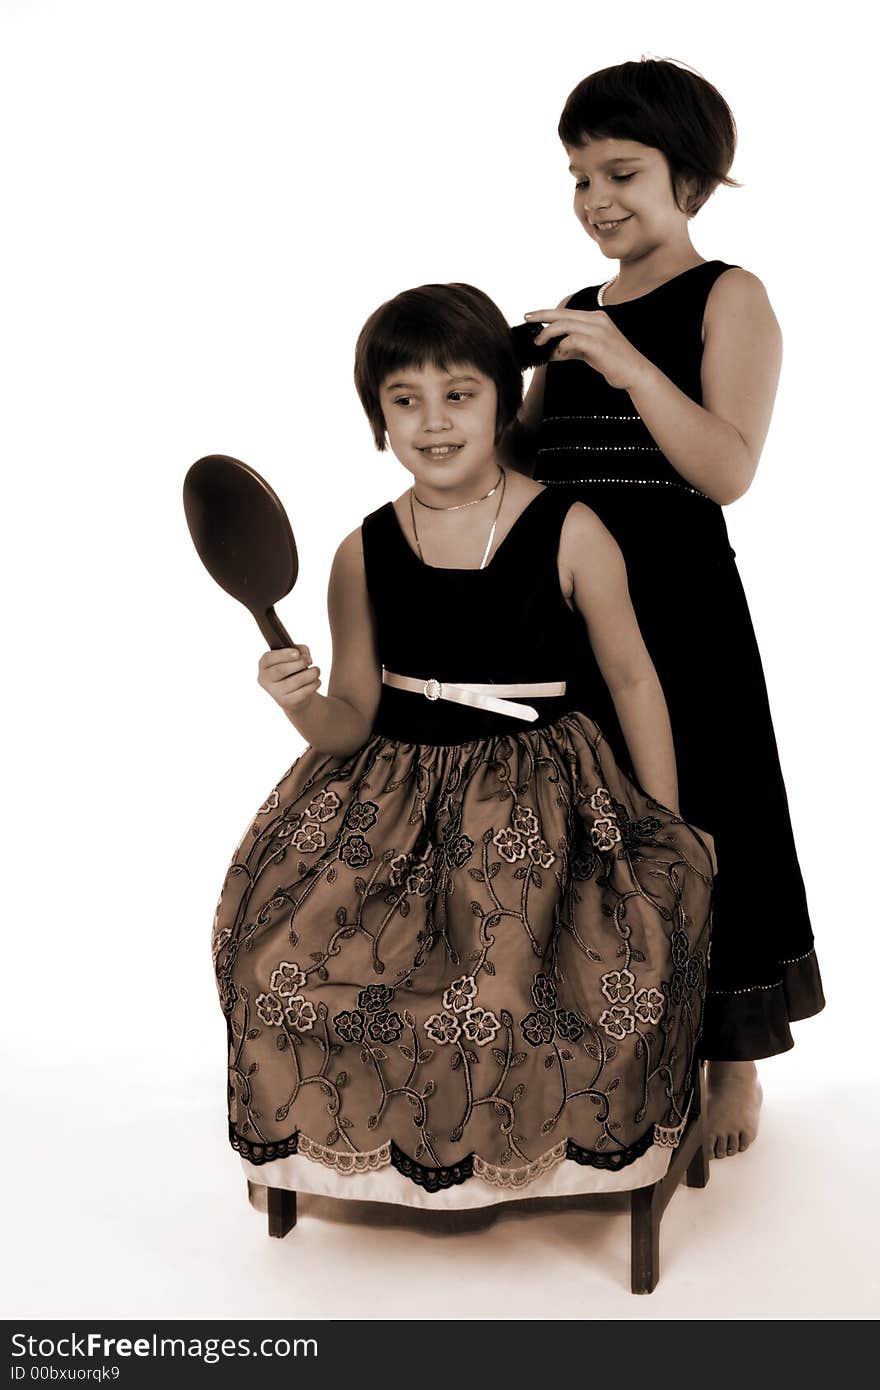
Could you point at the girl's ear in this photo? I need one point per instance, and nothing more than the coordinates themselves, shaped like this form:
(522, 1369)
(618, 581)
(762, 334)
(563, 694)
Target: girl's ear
(687, 195)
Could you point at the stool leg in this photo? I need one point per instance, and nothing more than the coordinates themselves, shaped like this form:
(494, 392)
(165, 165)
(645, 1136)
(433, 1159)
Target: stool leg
(282, 1210)
(647, 1204)
(697, 1174)
(645, 1238)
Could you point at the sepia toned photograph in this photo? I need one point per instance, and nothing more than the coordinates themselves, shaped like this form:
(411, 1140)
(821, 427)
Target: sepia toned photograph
(440, 566)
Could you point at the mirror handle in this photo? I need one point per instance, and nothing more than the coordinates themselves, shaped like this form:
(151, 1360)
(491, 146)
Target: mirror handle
(273, 630)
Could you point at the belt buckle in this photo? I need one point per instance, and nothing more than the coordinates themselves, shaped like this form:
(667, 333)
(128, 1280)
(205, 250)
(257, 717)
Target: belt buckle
(433, 689)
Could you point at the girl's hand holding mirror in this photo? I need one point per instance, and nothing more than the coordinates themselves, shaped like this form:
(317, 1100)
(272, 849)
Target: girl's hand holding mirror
(289, 677)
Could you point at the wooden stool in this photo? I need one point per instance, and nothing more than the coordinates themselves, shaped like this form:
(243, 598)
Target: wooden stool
(647, 1204)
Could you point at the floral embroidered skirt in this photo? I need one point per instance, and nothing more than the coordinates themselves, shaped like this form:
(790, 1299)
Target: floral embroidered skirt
(479, 964)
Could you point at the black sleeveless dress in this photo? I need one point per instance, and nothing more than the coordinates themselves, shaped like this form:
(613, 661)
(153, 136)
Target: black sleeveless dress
(473, 952)
(689, 600)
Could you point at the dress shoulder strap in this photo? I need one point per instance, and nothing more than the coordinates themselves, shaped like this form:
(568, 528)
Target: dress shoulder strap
(695, 285)
(587, 298)
(535, 537)
(712, 269)
(379, 532)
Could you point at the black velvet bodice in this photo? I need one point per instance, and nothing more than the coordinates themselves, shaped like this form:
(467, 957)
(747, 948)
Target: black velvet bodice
(506, 623)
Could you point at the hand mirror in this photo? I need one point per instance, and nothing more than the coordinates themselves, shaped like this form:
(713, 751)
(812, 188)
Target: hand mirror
(243, 537)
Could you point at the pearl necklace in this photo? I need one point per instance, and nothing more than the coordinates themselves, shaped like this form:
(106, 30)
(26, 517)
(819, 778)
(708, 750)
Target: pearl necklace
(600, 297)
(502, 480)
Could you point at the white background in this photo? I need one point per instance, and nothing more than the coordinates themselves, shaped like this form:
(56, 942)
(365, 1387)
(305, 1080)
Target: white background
(203, 201)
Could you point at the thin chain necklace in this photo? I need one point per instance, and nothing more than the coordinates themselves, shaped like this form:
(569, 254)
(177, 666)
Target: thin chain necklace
(458, 506)
(502, 482)
(600, 297)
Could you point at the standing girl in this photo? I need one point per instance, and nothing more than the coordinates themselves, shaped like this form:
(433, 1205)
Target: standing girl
(654, 409)
(460, 954)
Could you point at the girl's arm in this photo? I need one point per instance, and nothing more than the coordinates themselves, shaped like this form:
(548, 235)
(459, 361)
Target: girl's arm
(715, 446)
(341, 721)
(593, 575)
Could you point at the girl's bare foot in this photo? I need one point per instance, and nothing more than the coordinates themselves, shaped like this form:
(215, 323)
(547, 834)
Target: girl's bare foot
(735, 1097)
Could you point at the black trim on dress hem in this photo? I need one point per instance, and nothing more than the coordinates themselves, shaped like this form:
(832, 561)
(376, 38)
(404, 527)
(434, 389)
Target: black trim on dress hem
(617, 1159)
(748, 1025)
(264, 1153)
(431, 1179)
(445, 1176)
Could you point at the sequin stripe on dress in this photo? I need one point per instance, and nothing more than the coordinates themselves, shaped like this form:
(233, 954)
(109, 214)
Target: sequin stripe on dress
(605, 446)
(617, 432)
(627, 482)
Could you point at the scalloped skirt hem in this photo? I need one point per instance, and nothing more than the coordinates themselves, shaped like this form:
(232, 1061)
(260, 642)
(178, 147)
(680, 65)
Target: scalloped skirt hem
(564, 1179)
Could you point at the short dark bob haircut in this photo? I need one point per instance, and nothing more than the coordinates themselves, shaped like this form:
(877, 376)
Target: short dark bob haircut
(448, 326)
(661, 104)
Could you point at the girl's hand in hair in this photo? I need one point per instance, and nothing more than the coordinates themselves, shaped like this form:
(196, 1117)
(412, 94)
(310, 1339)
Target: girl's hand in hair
(588, 335)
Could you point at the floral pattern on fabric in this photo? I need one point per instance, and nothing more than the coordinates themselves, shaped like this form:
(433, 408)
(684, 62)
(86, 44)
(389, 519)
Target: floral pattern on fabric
(445, 955)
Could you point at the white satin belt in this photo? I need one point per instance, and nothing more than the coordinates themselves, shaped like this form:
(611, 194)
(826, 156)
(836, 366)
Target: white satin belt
(476, 695)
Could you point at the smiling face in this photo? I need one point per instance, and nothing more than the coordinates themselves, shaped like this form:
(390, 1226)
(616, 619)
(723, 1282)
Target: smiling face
(441, 424)
(624, 197)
